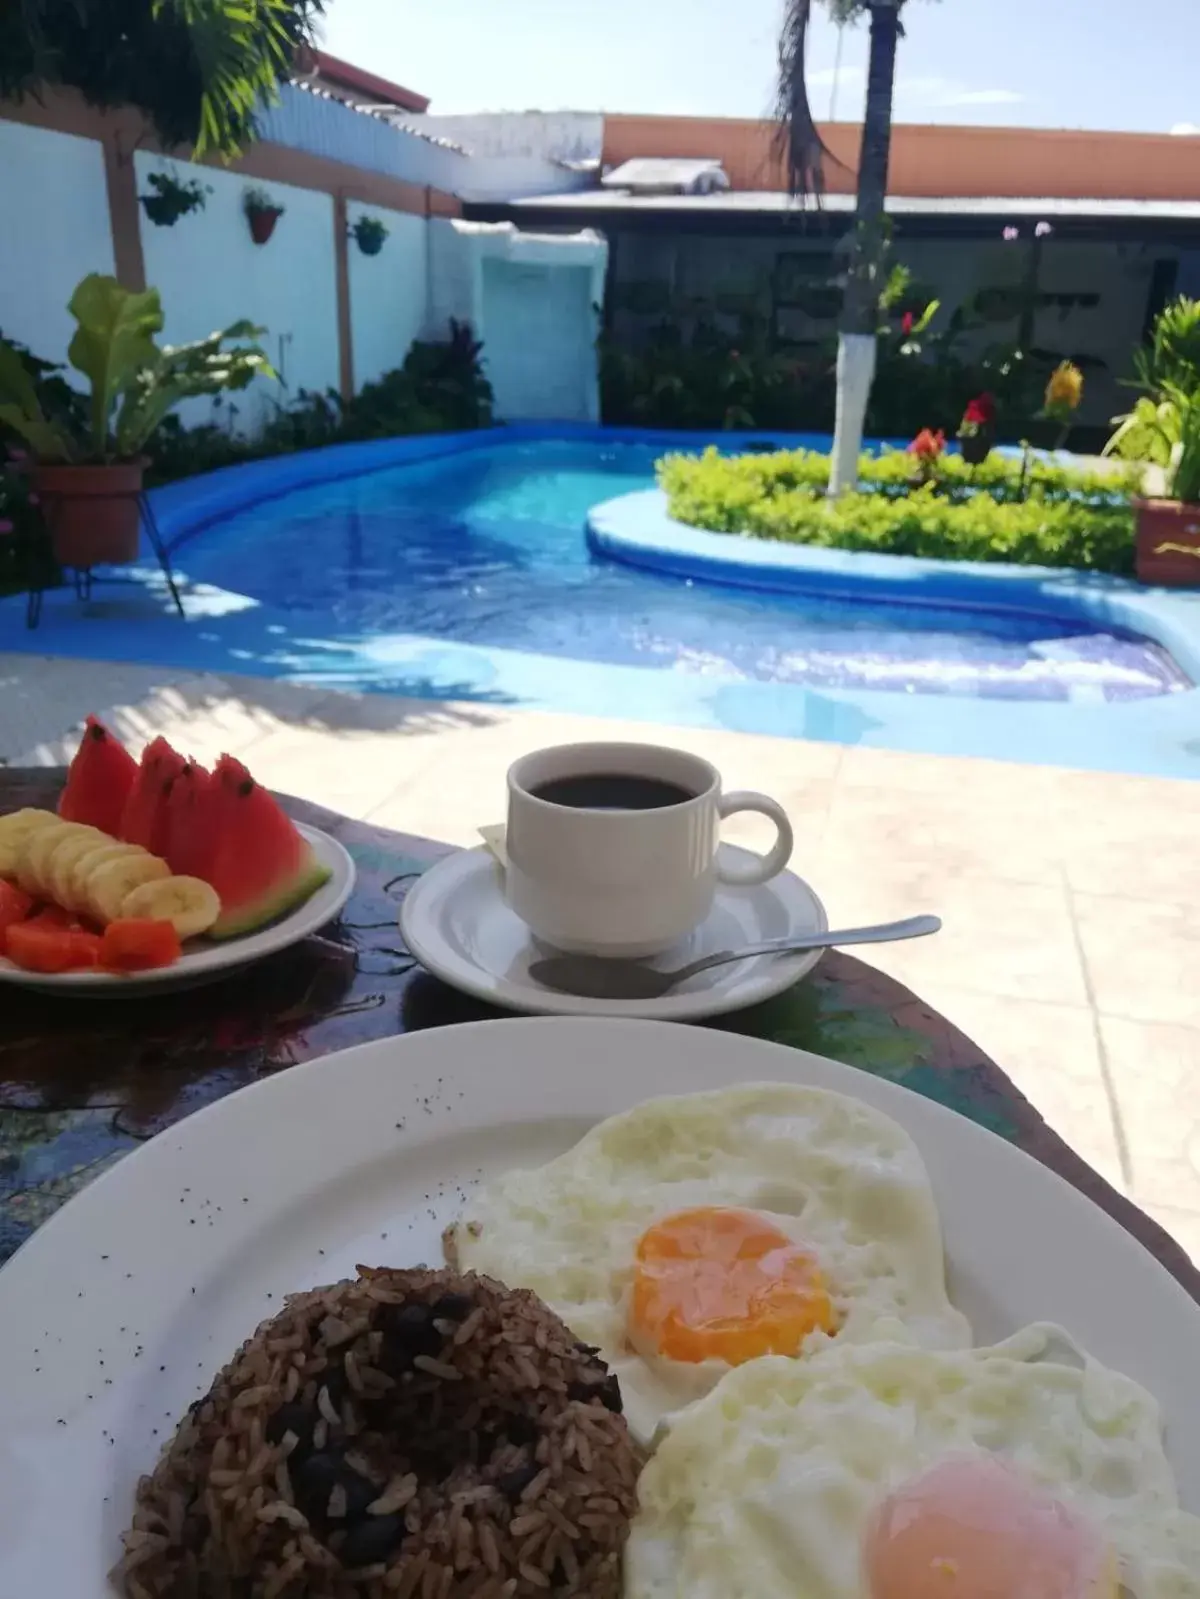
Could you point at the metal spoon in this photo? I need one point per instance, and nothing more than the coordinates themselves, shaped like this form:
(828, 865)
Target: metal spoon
(596, 977)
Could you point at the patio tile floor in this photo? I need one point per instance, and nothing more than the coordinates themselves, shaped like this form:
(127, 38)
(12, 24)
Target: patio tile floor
(1072, 938)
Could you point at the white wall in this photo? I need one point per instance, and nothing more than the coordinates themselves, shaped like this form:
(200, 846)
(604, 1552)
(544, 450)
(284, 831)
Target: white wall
(388, 292)
(529, 297)
(452, 288)
(211, 273)
(553, 135)
(55, 231)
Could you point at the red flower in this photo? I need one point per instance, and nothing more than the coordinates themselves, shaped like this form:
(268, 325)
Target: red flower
(981, 410)
(906, 323)
(928, 445)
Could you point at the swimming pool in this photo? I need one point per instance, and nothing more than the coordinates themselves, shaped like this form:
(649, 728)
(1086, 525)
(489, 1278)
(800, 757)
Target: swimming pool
(487, 548)
(457, 568)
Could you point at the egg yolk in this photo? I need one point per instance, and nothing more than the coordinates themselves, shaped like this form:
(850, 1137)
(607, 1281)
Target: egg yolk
(726, 1285)
(976, 1529)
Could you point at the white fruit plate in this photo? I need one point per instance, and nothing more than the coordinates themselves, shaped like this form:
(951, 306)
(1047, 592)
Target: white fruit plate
(203, 960)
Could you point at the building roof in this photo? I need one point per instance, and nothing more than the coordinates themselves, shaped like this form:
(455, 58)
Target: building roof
(772, 202)
(932, 160)
(768, 212)
(364, 88)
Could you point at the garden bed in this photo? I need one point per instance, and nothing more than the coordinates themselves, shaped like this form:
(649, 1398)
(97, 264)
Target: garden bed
(1007, 510)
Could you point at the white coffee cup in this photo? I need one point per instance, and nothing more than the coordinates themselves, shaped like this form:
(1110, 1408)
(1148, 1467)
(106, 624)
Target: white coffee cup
(599, 879)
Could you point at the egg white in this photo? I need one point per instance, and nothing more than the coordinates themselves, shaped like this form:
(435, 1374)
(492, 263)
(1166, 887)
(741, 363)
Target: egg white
(835, 1175)
(765, 1489)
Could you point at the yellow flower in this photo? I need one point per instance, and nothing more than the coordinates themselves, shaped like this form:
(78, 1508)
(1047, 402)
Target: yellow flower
(1065, 388)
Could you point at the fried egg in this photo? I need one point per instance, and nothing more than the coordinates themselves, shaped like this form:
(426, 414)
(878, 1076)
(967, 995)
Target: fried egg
(692, 1234)
(1025, 1471)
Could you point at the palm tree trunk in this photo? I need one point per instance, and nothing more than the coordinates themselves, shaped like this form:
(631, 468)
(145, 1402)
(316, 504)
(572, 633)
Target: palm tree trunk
(856, 334)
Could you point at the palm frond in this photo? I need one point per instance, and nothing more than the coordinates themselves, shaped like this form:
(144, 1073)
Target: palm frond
(798, 144)
(241, 48)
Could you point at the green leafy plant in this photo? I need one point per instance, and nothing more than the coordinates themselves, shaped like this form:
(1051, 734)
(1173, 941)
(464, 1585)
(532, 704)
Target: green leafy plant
(1068, 519)
(134, 382)
(255, 199)
(1165, 433)
(1173, 355)
(440, 388)
(172, 198)
(198, 69)
(888, 475)
(369, 234)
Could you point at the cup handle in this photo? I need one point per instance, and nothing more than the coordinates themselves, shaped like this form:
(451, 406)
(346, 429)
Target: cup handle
(773, 862)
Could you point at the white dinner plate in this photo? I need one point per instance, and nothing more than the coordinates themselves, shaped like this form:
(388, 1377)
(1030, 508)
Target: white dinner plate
(119, 1310)
(203, 960)
(456, 922)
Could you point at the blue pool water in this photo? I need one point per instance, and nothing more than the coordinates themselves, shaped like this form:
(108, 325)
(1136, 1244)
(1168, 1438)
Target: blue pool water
(487, 548)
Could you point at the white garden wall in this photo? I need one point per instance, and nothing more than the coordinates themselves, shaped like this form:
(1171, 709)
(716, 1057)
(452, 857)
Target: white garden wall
(388, 292)
(211, 273)
(530, 298)
(56, 230)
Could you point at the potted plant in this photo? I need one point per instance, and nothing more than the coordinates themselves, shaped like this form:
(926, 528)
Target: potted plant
(87, 466)
(172, 199)
(1165, 434)
(977, 430)
(369, 233)
(262, 214)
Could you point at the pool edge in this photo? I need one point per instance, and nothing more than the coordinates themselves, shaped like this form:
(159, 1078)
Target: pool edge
(637, 530)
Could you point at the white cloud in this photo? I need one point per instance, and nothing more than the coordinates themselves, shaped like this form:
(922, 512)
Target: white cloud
(826, 77)
(1186, 127)
(945, 93)
(984, 97)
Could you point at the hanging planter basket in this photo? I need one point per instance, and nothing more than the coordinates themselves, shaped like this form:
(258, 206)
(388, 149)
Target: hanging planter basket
(262, 221)
(262, 213)
(172, 199)
(369, 234)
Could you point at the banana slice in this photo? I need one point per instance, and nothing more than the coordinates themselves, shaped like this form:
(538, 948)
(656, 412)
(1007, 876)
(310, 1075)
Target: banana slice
(110, 884)
(15, 828)
(34, 860)
(75, 884)
(66, 854)
(188, 903)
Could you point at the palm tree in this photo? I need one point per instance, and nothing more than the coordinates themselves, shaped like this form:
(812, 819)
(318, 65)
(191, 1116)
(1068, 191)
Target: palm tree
(198, 68)
(804, 157)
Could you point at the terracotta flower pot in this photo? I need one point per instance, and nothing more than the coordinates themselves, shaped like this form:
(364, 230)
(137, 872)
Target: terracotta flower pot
(262, 222)
(1168, 543)
(92, 512)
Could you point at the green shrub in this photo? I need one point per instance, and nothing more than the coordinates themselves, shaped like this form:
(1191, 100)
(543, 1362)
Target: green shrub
(891, 473)
(441, 388)
(1069, 519)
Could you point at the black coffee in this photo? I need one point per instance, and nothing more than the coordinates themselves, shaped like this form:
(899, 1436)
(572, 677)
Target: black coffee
(612, 791)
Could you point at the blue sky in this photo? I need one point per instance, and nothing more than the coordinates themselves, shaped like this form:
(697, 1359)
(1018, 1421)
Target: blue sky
(1044, 63)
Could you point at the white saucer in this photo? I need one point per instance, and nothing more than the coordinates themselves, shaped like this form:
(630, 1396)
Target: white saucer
(456, 923)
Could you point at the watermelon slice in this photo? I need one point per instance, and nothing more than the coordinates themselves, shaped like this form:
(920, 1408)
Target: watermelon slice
(261, 865)
(144, 817)
(101, 776)
(190, 818)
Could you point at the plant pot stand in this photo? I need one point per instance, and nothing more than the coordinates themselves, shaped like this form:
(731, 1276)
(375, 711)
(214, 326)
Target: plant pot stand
(84, 577)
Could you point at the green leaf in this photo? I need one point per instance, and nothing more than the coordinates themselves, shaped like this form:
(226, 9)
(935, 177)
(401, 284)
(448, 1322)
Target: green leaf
(183, 371)
(113, 344)
(21, 410)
